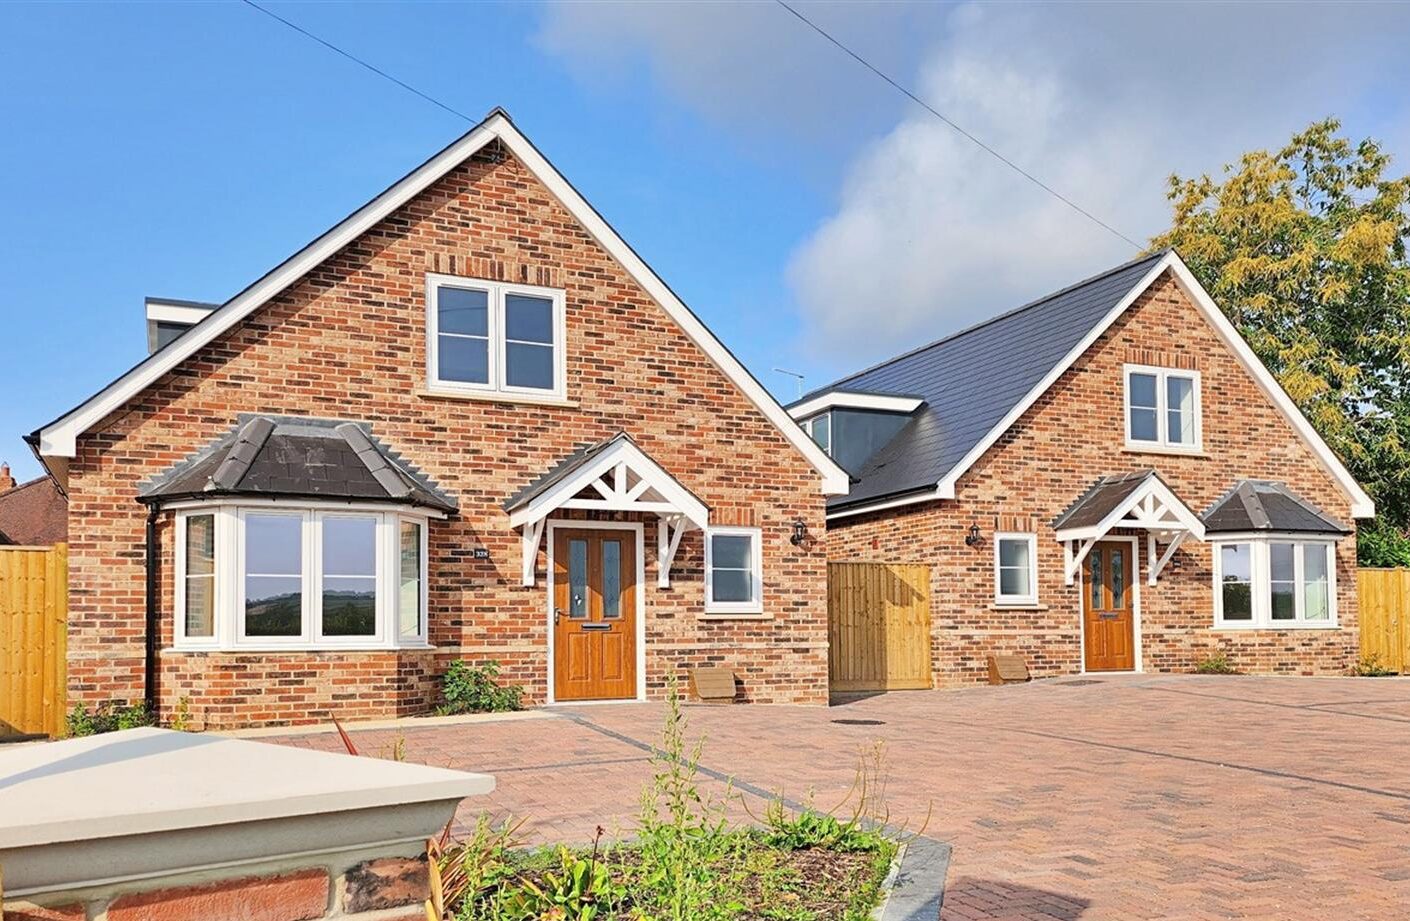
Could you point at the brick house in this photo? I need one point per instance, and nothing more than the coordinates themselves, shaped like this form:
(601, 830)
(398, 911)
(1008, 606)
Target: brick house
(1106, 479)
(31, 513)
(467, 421)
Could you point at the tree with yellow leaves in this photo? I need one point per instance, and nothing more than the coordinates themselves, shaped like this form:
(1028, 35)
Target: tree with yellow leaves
(1305, 250)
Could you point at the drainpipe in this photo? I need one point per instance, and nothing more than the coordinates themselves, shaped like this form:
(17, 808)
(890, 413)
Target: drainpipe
(150, 684)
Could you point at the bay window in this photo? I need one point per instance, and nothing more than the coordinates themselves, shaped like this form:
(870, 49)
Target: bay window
(1272, 583)
(272, 577)
(494, 337)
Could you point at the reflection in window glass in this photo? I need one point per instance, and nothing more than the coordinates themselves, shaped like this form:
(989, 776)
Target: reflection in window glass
(1282, 582)
(611, 578)
(1316, 604)
(1144, 408)
(200, 576)
(1118, 579)
(1095, 574)
(273, 575)
(821, 430)
(731, 567)
(1236, 585)
(1180, 410)
(528, 342)
(1015, 564)
(409, 580)
(463, 335)
(349, 602)
(577, 578)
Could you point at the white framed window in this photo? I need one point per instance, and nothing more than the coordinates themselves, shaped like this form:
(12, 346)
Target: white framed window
(1015, 568)
(1162, 408)
(1275, 583)
(734, 571)
(265, 576)
(196, 578)
(493, 337)
(820, 428)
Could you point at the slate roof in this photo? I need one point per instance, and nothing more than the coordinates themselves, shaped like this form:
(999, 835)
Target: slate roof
(1266, 505)
(297, 457)
(1101, 498)
(972, 379)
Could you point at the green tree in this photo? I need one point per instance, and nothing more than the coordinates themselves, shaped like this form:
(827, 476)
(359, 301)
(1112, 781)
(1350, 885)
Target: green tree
(1305, 250)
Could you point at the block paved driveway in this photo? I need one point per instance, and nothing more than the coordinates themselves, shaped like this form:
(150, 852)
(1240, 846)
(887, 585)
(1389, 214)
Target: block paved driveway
(1173, 797)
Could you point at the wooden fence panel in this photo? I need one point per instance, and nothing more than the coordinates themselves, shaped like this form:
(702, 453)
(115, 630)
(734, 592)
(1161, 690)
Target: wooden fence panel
(33, 639)
(1383, 604)
(878, 620)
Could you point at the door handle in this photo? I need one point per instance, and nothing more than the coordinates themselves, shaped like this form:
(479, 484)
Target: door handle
(557, 615)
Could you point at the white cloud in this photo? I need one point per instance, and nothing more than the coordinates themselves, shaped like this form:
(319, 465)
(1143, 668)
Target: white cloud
(1102, 102)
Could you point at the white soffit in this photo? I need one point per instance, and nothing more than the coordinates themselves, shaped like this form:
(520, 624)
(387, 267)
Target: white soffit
(59, 438)
(843, 399)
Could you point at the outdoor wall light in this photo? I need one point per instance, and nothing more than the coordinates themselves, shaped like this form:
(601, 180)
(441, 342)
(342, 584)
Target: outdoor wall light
(800, 533)
(972, 539)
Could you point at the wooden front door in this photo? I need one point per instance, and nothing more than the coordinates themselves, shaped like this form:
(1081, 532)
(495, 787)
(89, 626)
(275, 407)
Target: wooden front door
(1108, 607)
(594, 614)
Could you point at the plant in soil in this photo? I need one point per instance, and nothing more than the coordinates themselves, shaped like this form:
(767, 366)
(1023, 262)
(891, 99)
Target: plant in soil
(1216, 663)
(467, 688)
(108, 716)
(687, 861)
(1370, 667)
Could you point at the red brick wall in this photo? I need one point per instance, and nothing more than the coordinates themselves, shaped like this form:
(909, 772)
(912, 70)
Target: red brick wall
(1070, 437)
(348, 341)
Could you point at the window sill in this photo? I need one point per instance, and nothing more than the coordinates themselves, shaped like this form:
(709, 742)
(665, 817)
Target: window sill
(1168, 450)
(304, 650)
(1271, 628)
(494, 396)
(1017, 606)
(735, 615)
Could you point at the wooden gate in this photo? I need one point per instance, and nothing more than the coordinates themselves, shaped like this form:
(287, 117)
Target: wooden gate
(1383, 604)
(33, 634)
(878, 626)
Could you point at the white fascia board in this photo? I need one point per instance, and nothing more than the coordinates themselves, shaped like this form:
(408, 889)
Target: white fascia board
(60, 437)
(946, 486)
(835, 481)
(1151, 487)
(680, 498)
(841, 399)
(1361, 504)
(160, 311)
(928, 496)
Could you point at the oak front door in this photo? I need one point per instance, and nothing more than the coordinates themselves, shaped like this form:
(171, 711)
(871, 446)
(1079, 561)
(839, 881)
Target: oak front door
(1107, 608)
(594, 614)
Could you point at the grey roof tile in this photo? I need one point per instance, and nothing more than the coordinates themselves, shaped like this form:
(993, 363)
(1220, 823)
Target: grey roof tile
(972, 379)
(1099, 499)
(1267, 505)
(296, 456)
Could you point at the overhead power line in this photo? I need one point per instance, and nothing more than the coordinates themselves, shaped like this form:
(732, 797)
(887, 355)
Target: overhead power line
(976, 141)
(359, 61)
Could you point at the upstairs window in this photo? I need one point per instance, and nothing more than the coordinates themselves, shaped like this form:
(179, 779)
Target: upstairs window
(1162, 408)
(820, 428)
(493, 337)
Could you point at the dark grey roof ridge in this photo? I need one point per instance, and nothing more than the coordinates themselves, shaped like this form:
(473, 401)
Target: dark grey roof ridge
(249, 440)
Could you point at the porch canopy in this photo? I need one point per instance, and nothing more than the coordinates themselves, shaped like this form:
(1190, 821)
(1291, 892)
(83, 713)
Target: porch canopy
(1138, 500)
(611, 476)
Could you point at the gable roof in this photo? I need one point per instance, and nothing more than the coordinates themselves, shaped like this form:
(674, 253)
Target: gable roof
(296, 457)
(59, 437)
(34, 513)
(978, 382)
(1099, 499)
(1266, 505)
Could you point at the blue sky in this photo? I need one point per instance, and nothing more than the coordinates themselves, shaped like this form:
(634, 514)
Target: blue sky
(809, 214)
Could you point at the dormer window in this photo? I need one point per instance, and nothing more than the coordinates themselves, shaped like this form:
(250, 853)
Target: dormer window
(494, 337)
(820, 427)
(1162, 409)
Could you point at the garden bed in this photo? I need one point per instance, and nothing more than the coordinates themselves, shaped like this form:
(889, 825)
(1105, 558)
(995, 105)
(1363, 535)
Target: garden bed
(685, 861)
